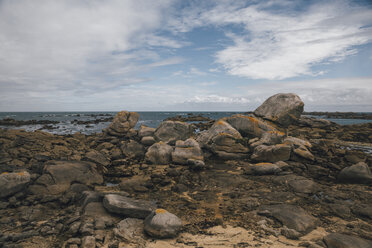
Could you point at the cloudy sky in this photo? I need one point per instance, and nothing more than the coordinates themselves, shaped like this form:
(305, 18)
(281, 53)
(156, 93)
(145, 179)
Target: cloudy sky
(79, 55)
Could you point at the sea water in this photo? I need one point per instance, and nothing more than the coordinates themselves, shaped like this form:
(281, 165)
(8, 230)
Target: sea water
(151, 119)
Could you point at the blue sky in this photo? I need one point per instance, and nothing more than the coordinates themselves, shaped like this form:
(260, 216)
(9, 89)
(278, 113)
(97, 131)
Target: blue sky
(143, 55)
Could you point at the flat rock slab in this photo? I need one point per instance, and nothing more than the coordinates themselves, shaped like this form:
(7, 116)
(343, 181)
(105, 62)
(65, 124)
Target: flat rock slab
(291, 216)
(127, 206)
(338, 240)
(131, 230)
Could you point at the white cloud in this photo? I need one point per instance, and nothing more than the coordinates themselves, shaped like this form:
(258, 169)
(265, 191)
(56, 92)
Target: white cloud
(217, 99)
(284, 45)
(68, 46)
(210, 83)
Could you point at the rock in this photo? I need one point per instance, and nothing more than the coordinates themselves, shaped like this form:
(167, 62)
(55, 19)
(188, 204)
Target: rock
(148, 140)
(11, 183)
(306, 186)
(89, 242)
(363, 210)
(290, 233)
(223, 140)
(170, 131)
(272, 153)
(162, 224)
(59, 175)
(131, 230)
(122, 123)
(127, 206)
(293, 217)
(357, 173)
(97, 157)
(264, 169)
(159, 153)
(282, 108)
(338, 240)
(303, 152)
(297, 142)
(146, 131)
(186, 150)
(248, 125)
(133, 149)
(196, 164)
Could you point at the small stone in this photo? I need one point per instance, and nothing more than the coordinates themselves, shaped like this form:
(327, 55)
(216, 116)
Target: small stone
(88, 242)
(162, 224)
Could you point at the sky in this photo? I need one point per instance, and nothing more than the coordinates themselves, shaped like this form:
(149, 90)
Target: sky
(184, 55)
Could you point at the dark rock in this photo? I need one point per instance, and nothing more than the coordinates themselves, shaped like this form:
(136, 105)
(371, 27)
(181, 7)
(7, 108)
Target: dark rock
(11, 183)
(97, 157)
(363, 210)
(272, 153)
(293, 217)
(159, 153)
(127, 206)
(162, 224)
(133, 149)
(357, 173)
(338, 240)
(306, 186)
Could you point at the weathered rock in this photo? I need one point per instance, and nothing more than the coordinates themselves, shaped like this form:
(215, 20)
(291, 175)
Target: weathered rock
(88, 242)
(272, 153)
(159, 153)
(249, 125)
(186, 150)
(59, 175)
(196, 164)
(127, 206)
(11, 183)
(282, 108)
(303, 152)
(122, 123)
(97, 157)
(306, 186)
(264, 169)
(293, 217)
(146, 131)
(223, 140)
(296, 142)
(162, 224)
(363, 210)
(170, 131)
(357, 173)
(133, 149)
(130, 230)
(338, 240)
(148, 140)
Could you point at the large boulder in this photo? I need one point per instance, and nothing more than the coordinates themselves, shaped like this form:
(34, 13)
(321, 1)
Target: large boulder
(293, 217)
(11, 183)
(59, 175)
(282, 108)
(186, 150)
(128, 207)
(223, 140)
(338, 240)
(159, 153)
(171, 131)
(249, 125)
(146, 131)
(357, 173)
(162, 224)
(122, 123)
(274, 153)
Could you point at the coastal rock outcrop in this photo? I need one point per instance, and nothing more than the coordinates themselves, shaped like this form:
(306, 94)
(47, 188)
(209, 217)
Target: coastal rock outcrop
(171, 131)
(282, 108)
(249, 125)
(11, 183)
(133, 149)
(122, 123)
(159, 153)
(338, 240)
(162, 224)
(224, 141)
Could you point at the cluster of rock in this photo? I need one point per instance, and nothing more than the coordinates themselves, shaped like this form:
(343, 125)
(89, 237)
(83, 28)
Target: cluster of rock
(70, 172)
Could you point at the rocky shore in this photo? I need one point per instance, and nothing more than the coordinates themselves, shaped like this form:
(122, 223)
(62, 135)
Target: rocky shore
(271, 178)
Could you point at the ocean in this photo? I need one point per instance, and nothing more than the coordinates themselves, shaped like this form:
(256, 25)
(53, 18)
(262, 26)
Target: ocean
(68, 122)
